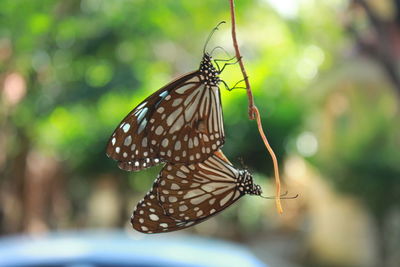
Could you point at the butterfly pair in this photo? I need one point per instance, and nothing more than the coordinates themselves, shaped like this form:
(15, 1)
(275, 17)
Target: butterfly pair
(181, 124)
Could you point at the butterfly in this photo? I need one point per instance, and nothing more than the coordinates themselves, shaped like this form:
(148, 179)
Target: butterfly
(181, 123)
(185, 195)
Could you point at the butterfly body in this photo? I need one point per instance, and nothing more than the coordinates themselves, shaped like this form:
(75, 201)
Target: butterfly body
(184, 195)
(180, 123)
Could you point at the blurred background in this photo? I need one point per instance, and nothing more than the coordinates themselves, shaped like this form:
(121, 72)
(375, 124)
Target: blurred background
(326, 80)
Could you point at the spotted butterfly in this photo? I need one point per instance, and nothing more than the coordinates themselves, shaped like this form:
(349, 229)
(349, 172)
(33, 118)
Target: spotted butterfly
(185, 195)
(182, 123)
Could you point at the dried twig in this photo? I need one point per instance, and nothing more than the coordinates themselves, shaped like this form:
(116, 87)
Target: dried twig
(239, 57)
(274, 160)
(253, 110)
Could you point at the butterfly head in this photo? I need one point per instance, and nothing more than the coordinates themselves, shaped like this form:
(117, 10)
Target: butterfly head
(246, 184)
(209, 72)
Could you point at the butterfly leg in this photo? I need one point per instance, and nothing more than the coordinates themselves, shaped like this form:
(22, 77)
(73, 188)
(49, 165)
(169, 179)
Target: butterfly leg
(221, 60)
(227, 64)
(226, 85)
(235, 86)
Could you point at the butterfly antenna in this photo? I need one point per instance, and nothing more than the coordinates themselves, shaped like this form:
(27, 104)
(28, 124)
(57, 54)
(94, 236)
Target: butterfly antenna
(282, 196)
(210, 35)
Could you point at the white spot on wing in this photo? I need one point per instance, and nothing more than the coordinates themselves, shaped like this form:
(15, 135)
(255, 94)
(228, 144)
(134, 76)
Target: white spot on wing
(126, 127)
(177, 125)
(183, 89)
(172, 199)
(141, 105)
(165, 142)
(198, 200)
(141, 114)
(159, 130)
(178, 145)
(189, 111)
(128, 140)
(180, 174)
(175, 186)
(183, 208)
(177, 102)
(142, 126)
(154, 217)
(163, 94)
(190, 144)
(172, 117)
(223, 201)
(144, 142)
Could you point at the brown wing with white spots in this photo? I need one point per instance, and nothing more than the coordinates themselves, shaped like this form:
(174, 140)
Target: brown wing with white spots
(130, 144)
(192, 128)
(184, 196)
(181, 123)
(200, 190)
(149, 217)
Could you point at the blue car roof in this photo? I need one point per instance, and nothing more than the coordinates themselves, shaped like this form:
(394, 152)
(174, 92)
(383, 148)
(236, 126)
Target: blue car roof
(117, 248)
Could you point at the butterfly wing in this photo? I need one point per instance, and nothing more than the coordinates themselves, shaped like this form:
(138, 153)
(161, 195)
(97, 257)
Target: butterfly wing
(183, 196)
(198, 191)
(149, 217)
(180, 123)
(192, 128)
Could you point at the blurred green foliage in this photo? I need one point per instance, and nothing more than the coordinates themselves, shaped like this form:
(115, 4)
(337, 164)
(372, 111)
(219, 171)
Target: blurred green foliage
(90, 62)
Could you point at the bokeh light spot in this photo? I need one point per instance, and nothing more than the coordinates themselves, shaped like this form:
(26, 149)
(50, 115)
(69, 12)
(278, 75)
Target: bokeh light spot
(307, 144)
(286, 8)
(99, 75)
(14, 88)
(40, 23)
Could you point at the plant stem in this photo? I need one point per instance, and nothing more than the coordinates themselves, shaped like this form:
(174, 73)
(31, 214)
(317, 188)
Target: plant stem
(274, 160)
(253, 110)
(239, 57)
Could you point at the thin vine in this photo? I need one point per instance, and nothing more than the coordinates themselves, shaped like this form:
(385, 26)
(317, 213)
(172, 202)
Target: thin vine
(253, 110)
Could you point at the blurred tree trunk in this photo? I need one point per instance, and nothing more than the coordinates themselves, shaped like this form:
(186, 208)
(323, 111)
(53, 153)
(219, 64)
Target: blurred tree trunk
(32, 190)
(44, 202)
(382, 244)
(13, 186)
(381, 41)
